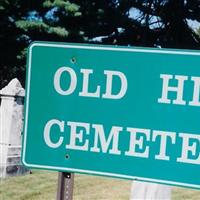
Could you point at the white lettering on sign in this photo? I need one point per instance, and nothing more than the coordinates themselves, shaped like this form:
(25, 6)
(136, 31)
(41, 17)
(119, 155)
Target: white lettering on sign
(137, 140)
(140, 141)
(109, 86)
(179, 90)
(86, 73)
(76, 137)
(191, 145)
(47, 129)
(100, 138)
(73, 80)
(85, 92)
(195, 101)
(163, 135)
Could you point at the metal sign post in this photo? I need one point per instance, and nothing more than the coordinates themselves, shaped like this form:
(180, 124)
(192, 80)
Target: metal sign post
(65, 186)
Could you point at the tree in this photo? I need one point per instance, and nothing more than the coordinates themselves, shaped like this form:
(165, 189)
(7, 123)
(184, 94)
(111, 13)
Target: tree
(159, 22)
(120, 22)
(23, 22)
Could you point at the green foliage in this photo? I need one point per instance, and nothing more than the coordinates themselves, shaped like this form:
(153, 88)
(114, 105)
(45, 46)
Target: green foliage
(70, 8)
(31, 25)
(62, 32)
(27, 26)
(26, 21)
(122, 22)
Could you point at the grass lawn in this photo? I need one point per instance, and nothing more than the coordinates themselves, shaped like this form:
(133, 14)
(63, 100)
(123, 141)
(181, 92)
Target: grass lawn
(42, 185)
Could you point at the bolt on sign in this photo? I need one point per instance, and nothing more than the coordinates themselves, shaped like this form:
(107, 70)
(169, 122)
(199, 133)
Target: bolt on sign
(131, 113)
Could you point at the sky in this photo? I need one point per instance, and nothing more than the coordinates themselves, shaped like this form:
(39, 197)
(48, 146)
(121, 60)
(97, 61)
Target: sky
(193, 24)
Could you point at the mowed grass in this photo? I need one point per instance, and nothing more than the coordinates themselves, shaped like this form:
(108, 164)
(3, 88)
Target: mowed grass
(42, 185)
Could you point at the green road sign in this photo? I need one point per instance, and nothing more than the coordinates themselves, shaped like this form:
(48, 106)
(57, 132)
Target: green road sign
(122, 112)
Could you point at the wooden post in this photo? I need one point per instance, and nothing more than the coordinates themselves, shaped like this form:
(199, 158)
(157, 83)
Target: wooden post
(65, 186)
(147, 191)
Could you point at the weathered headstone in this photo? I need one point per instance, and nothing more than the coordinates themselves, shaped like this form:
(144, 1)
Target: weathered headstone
(149, 191)
(11, 121)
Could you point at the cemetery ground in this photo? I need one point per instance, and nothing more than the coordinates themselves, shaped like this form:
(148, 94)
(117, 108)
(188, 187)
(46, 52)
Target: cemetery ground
(42, 185)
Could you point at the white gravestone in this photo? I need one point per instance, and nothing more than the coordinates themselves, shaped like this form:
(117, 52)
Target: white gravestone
(11, 122)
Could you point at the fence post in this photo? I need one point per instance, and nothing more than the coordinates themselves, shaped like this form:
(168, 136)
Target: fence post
(150, 191)
(11, 120)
